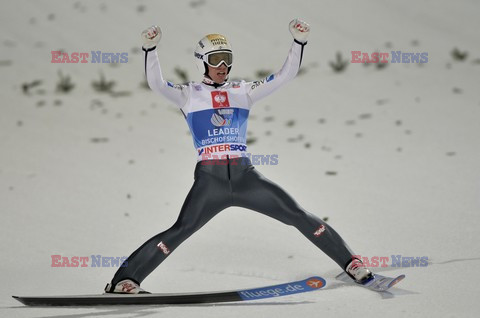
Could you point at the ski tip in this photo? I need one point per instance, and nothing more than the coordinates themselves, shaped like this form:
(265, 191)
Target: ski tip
(20, 299)
(396, 280)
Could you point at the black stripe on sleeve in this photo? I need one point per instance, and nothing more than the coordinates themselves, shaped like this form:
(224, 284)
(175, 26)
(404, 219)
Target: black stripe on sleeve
(301, 53)
(146, 54)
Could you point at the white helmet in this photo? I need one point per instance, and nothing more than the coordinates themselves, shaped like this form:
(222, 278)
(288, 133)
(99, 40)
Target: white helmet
(213, 49)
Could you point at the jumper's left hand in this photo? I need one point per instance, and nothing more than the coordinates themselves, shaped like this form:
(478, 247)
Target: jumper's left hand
(299, 30)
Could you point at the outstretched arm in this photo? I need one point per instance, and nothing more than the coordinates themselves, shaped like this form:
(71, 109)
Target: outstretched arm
(175, 93)
(259, 89)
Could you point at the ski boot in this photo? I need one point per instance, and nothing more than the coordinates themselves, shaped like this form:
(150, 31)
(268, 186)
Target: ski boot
(125, 286)
(358, 272)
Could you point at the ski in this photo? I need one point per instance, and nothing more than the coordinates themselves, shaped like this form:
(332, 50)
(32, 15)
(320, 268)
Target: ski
(295, 287)
(380, 283)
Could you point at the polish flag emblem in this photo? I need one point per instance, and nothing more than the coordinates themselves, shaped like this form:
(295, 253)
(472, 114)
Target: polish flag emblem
(220, 99)
(163, 248)
(320, 230)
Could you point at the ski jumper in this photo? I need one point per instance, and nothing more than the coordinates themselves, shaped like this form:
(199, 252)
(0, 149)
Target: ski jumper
(217, 116)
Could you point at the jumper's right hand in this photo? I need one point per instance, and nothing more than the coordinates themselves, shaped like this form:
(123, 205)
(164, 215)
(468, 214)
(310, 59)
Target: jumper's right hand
(299, 30)
(151, 37)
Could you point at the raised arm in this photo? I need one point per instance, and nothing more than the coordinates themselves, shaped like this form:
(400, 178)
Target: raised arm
(259, 89)
(175, 93)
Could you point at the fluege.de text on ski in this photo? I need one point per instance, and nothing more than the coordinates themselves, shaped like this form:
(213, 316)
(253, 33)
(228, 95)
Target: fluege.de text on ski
(86, 57)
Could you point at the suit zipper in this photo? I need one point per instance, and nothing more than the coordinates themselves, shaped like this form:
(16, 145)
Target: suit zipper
(228, 166)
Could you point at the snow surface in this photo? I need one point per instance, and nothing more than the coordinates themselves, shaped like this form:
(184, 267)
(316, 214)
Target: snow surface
(391, 156)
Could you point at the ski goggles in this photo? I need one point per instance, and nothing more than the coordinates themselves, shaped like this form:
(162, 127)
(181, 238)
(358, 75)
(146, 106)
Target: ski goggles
(215, 59)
